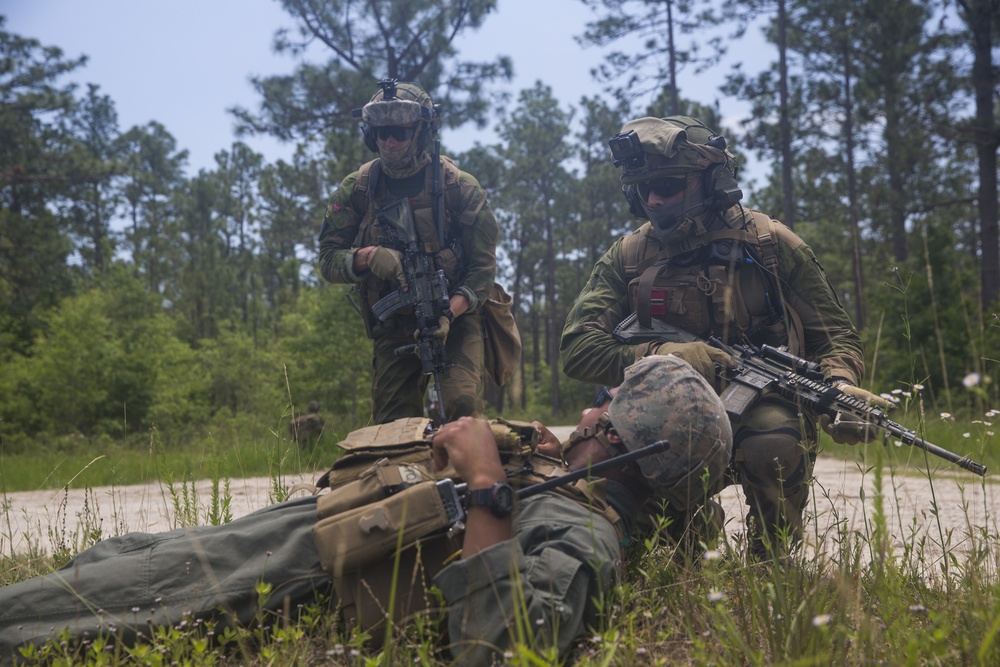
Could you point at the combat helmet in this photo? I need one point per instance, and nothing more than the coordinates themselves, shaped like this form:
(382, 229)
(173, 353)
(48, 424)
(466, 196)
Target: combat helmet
(666, 156)
(394, 105)
(664, 398)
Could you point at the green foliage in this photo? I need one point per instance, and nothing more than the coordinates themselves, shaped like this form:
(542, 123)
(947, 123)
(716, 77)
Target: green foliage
(33, 173)
(327, 357)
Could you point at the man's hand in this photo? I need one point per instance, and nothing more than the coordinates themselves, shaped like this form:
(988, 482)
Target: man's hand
(548, 444)
(387, 264)
(703, 358)
(468, 445)
(848, 429)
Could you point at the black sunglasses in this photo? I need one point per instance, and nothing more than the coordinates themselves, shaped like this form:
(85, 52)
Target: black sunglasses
(664, 187)
(603, 396)
(383, 132)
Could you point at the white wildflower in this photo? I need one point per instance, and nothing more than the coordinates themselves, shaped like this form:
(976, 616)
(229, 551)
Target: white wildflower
(821, 620)
(716, 596)
(971, 380)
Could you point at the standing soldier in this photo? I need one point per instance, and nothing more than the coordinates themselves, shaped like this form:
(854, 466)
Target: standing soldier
(450, 225)
(704, 264)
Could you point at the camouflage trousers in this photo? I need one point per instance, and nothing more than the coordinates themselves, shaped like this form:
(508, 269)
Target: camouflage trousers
(125, 586)
(399, 386)
(773, 456)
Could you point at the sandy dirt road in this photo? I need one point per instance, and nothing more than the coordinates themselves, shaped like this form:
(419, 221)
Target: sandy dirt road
(842, 500)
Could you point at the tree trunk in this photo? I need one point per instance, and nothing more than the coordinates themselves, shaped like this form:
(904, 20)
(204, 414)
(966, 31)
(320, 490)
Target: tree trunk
(787, 198)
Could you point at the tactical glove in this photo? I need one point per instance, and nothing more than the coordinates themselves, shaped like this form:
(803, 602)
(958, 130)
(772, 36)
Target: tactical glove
(387, 264)
(703, 358)
(441, 333)
(847, 429)
(865, 396)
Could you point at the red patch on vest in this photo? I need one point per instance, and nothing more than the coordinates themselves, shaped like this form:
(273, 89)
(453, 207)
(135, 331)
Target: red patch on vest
(334, 207)
(658, 302)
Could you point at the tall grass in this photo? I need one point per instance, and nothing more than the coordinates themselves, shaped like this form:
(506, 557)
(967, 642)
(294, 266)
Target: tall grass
(883, 589)
(875, 592)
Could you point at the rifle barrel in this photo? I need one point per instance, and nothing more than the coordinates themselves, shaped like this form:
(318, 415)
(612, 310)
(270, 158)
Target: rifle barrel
(616, 461)
(908, 437)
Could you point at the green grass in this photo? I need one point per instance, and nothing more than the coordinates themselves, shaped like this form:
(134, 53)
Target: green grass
(878, 594)
(859, 602)
(838, 607)
(105, 463)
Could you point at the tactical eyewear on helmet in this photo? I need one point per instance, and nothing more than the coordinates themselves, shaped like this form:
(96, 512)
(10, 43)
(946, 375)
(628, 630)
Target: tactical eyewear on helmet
(397, 132)
(603, 396)
(663, 187)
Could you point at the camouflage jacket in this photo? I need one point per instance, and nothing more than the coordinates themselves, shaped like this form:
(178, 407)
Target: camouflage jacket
(468, 257)
(807, 314)
(550, 576)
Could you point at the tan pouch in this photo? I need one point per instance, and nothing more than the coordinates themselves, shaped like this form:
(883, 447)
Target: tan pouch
(501, 339)
(383, 479)
(354, 538)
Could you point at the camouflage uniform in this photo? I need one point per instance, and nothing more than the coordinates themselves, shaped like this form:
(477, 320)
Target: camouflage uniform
(467, 256)
(772, 291)
(565, 553)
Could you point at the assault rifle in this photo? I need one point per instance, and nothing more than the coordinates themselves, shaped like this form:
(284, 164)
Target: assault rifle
(763, 370)
(426, 292)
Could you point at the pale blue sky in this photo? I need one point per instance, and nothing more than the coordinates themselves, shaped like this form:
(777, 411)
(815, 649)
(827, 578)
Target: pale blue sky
(184, 62)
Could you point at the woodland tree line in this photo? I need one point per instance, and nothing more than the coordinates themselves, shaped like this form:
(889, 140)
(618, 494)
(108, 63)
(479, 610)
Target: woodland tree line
(136, 296)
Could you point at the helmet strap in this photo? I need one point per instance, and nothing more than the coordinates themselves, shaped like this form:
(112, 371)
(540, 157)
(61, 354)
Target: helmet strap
(599, 432)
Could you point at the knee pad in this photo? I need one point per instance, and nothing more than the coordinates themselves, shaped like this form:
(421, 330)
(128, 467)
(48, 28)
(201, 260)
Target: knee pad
(767, 459)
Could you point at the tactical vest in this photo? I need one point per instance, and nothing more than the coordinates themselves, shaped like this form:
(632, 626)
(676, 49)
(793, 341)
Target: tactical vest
(722, 283)
(382, 497)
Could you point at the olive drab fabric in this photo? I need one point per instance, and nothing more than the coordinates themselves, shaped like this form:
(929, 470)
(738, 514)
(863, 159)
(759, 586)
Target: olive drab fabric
(766, 285)
(382, 496)
(469, 229)
(501, 338)
(733, 273)
(464, 248)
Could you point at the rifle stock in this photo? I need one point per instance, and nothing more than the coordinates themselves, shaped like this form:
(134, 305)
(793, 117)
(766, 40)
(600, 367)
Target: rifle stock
(764, 370)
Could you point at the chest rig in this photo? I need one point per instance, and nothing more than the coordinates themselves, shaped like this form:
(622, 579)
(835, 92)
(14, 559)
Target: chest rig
(383, 551)
(460, 206)
(723, 283)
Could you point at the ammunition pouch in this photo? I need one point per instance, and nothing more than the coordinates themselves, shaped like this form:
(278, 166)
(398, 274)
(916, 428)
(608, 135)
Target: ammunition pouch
(354, 538)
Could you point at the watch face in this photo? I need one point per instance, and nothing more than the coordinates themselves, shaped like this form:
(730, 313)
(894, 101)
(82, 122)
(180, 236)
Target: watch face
(499, 498)
(503, 498)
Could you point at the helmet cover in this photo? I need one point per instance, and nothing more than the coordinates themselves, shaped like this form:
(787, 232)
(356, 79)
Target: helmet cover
(409, 105)
(664, 398)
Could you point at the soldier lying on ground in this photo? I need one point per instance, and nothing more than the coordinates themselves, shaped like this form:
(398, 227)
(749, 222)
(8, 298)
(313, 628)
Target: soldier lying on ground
(126, 586)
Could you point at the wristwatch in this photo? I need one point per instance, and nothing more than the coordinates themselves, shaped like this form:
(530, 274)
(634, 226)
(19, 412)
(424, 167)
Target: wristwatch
(499, 498)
